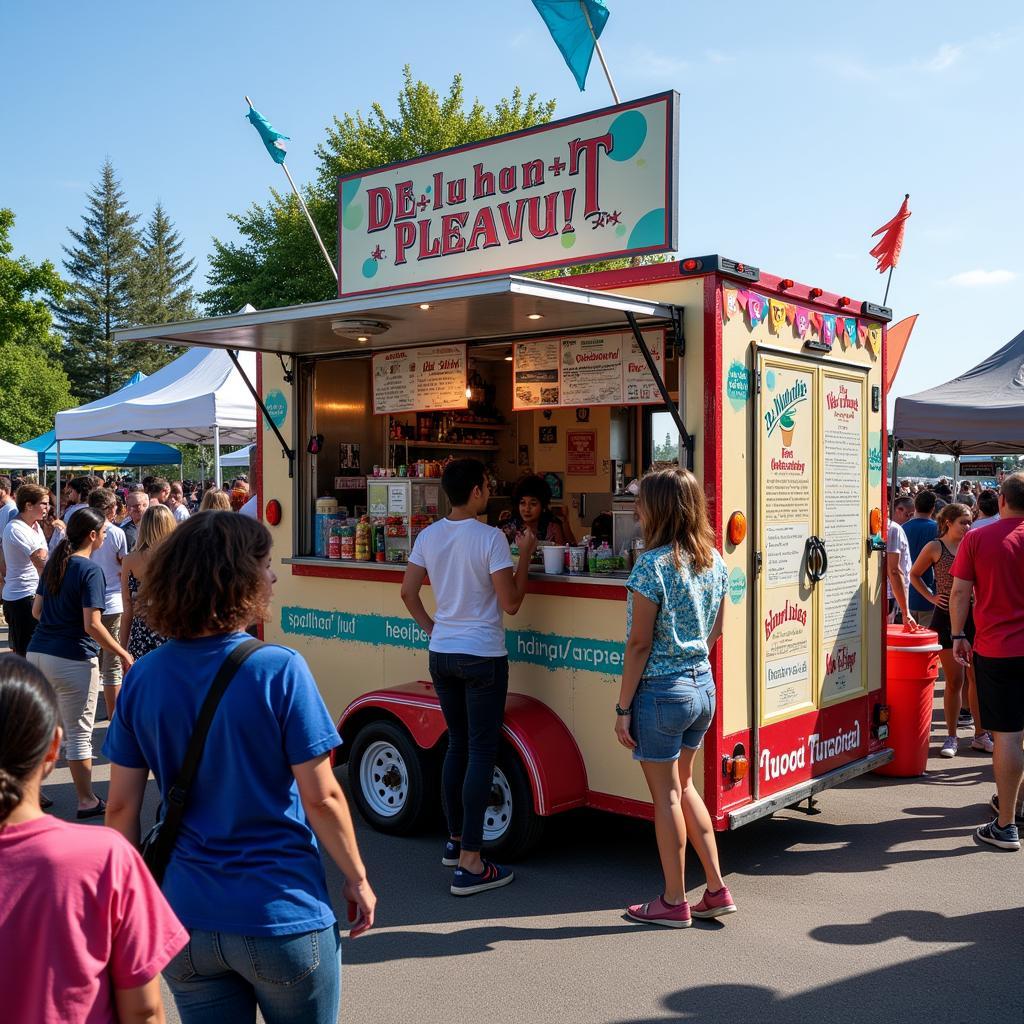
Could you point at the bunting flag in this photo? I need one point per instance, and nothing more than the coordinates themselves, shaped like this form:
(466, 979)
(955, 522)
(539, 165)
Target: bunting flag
(790, 312)
(776, 315)
(730, 303)
(271, 139)
(874, 341)
(741, 297)
(887, 251)
(816, 320)
(802, 322)
(828, 328)
(567, 22)
(851, 330)
(757, 308)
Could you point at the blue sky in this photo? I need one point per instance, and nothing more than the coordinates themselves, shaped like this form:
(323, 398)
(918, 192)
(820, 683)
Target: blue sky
(802, 125)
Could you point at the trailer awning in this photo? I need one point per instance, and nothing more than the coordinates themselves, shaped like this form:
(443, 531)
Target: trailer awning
(493, 308)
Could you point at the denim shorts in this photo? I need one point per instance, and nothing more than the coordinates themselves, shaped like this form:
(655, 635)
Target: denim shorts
(672, 712)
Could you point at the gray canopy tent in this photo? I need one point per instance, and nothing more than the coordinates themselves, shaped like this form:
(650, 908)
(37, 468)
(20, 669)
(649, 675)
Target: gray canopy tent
(981, 412)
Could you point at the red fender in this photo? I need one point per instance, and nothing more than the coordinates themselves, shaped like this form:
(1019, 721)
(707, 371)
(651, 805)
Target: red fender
(546, 748)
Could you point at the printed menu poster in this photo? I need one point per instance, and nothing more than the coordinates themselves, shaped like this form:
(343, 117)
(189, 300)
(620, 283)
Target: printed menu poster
(409, 380)
(787, 444)
(535, 374)
(605, 369)
(842, 410)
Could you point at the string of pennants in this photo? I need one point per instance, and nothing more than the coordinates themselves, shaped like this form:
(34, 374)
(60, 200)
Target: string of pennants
(804, 323)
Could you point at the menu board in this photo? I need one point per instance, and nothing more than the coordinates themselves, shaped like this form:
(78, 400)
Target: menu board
(842, 411)
(535, 375)
(410, 380)
(787, 451)
(599, 369)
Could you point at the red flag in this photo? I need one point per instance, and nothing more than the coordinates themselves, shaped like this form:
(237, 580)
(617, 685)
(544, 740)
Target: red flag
(887, 251)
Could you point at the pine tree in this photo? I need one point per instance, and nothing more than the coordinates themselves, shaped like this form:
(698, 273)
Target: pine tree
(99, 295)
(160, 288)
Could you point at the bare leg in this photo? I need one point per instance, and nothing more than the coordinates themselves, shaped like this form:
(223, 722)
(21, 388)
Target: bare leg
(699, 828)
(953, 674)
(110, 693)
(971, 688)
(669, 825)
(1008, 768)
(81, 775)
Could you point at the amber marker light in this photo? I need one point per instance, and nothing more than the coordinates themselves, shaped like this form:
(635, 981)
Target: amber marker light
(737, 529)
(272, 513)
(875, 521)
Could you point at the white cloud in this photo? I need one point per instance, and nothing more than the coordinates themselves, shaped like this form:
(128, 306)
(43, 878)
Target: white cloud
(647, 63)
(982, 278)
(944, 58)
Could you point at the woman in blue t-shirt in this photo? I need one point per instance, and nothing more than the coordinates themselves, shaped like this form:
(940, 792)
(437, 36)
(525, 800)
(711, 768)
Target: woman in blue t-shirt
(667, 697)
(245, 876)
(66, 644)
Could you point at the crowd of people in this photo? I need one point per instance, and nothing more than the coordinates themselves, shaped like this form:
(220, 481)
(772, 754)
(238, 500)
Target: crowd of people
(955, 564)
(238, 918)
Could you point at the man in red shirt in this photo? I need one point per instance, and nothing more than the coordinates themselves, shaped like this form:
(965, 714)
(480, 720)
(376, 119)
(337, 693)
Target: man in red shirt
(991, 562)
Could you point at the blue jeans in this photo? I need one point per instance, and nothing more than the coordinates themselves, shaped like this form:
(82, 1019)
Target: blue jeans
(672, 712)
(472, 693)
(220, 978)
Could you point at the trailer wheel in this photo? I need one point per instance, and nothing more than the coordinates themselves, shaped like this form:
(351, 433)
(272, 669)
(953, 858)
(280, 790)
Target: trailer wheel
(392, 780)
(511, 826)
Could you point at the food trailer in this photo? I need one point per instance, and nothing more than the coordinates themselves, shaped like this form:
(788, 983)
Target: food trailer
(437, 347)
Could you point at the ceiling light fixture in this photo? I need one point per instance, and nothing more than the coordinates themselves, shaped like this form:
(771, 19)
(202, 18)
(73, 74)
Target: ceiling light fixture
(534, 316)
(357, 328)
(424, 305)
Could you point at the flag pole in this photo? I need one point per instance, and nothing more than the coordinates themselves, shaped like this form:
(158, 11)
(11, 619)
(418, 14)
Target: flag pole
(887, 283)
(600, 52)
(302, 203)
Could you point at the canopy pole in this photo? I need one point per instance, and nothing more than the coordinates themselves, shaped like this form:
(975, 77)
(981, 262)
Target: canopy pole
(216, 457)
(685, 438)
(56, 486)
(956, 474)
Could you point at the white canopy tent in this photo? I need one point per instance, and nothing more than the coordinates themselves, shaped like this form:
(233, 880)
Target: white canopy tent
(13, 456)
(239, 457)
(200, 398)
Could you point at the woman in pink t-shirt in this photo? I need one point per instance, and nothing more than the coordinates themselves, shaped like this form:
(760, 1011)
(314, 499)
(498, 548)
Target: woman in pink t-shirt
(84, 930)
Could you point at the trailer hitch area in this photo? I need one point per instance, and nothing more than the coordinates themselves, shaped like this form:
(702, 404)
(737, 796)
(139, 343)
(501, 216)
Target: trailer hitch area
(811, 809)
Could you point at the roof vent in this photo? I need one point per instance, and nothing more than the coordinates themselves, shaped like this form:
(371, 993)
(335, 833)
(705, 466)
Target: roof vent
(355, 327)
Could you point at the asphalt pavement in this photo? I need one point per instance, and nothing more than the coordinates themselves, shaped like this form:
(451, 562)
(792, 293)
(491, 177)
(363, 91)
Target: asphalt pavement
(879, 907)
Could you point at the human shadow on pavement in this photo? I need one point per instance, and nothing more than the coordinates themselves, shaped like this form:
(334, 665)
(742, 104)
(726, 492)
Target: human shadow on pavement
(980, 977)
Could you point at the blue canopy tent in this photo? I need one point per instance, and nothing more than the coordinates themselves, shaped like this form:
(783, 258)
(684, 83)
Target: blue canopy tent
(102, 453)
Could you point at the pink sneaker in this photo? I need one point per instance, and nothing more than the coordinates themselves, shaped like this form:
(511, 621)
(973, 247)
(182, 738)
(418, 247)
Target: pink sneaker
(660, 912)
(715, 904)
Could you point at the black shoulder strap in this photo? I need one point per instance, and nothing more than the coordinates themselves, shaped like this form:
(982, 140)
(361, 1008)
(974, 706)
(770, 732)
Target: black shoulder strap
(177, 795)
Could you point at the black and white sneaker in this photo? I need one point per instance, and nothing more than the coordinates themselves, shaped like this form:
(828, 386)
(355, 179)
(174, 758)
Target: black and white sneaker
(1005, 838)
(452, 849)
(493, 876)
(965, 719)
(1018, 813)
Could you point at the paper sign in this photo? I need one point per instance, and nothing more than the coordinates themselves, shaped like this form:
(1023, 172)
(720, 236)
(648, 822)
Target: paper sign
(398, 500)
(428, 378)
(535, 373)
(592, 370)
(581, 453)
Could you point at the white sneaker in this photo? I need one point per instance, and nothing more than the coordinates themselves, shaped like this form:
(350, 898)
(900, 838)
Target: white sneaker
(983, 742)
(949, 747)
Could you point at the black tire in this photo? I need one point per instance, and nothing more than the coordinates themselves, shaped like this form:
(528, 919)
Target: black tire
(523, 827)
(393, 782)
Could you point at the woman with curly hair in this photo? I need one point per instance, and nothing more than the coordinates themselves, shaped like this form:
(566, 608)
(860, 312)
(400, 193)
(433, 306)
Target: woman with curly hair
(84, 930)
(245, 874)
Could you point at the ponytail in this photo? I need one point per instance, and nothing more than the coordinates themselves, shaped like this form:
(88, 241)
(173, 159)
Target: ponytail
(28, 718)
(82, 523)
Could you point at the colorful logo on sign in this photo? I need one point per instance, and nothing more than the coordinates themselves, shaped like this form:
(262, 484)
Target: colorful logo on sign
(277, 407)
(737, 385)
(780, 413)
(874, 458)
(737, 585)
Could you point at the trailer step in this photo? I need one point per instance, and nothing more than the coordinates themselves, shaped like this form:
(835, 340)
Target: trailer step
(804, 790)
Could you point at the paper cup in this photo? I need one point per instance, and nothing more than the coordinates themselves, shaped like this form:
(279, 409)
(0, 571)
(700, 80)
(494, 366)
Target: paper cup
(554, 559)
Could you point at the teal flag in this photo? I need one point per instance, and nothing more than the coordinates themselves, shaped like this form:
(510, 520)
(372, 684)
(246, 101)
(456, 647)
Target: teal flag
(568, 27)
(271, 139)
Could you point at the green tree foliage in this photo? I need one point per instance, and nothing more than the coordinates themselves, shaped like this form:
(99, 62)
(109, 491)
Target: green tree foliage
(278, 262)
(99, 297)
(160, 289)
(32, 383)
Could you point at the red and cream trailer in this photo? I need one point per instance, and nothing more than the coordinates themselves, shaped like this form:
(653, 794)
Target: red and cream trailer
(433, 349)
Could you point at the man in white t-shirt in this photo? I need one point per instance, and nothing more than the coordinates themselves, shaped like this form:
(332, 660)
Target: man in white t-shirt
(109, 559)
(470, 571)
(897, 564)
(24, 556)
(175, 501)
(988, 506)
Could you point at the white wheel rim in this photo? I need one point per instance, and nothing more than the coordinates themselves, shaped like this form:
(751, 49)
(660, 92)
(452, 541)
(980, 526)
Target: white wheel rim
(384, 778)
(498, 815)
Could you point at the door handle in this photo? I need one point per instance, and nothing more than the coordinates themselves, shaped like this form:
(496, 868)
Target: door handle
(823, 553)
(813, 552)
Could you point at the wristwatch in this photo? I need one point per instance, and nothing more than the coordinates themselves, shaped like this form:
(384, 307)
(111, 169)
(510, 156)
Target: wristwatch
(622, 712)
(957, 636)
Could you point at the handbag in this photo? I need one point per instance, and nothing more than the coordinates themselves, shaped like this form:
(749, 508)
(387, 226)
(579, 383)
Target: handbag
(158, 843)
